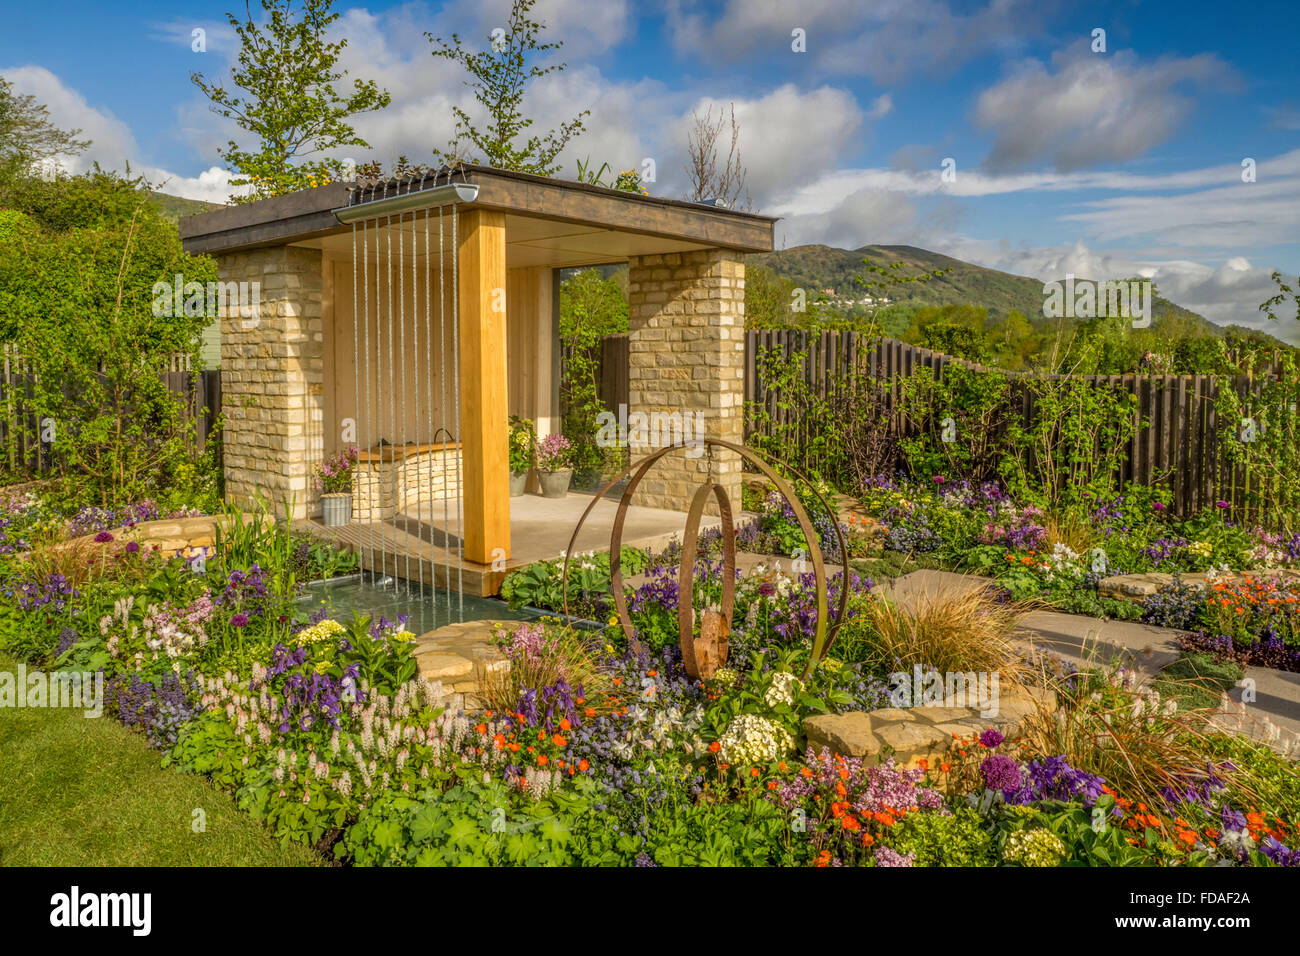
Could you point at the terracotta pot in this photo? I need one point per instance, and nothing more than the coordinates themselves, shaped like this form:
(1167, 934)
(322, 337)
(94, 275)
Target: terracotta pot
(336, 508)
(518, 480)
(555, 484)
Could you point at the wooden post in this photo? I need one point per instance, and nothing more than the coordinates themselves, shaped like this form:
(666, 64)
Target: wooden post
(485, 487)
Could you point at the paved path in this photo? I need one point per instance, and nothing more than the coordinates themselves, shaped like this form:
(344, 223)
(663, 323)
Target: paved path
(1081, 639)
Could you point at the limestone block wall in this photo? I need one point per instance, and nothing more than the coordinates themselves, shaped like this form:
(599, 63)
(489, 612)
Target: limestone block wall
(409, 485)
(272, 379)
(686, 350)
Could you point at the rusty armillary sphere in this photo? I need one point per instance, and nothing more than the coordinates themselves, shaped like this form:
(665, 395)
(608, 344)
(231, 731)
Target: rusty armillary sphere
(703, 655)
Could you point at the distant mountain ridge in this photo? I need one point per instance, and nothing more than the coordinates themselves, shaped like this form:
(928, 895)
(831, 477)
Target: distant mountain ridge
(822, 267)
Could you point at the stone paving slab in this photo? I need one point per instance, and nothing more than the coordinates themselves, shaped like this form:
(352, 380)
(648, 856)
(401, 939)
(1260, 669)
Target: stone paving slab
(924, 733)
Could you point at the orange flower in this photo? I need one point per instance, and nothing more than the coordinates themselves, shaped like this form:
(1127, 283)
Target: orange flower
(805, 772)
(850, 822)
(564, 724)
(543, 760)
(868, 839)
(559, 741)
(583, 765)
(480, 728)
(753, 771)
(714, 747)
(781, 766)
(923, 764)
(945, 767)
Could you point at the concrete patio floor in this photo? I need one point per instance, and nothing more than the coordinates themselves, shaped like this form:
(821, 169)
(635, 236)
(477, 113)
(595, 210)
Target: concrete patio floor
(540, 528)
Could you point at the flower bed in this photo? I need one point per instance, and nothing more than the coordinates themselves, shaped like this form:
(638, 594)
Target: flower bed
(588, 753)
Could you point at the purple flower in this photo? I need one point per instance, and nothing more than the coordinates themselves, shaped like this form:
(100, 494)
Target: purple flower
(1220, 505)
(1158, 505)
(239, 620)
(887, 856)
(103, 537)
(132, 547)
(1001, 773)
(991, 738)
(938, 479)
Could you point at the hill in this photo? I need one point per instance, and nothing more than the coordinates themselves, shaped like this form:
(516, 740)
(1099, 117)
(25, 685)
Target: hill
(823, 267)
(176, 207)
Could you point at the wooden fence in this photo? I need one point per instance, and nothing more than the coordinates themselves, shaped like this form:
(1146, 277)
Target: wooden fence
(21, 444)
(1178, 447)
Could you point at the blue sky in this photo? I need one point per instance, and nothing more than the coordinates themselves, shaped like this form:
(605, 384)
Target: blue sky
(1103, 164)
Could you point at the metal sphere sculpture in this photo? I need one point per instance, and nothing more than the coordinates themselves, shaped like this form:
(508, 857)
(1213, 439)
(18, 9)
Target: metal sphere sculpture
(703, 654)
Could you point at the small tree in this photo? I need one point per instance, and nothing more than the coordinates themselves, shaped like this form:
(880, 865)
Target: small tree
(713, 177)
(27, 136)
(286, 67)
(500, 76)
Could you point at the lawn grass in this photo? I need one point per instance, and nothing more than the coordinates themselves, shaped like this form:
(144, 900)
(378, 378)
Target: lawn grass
(78, 791)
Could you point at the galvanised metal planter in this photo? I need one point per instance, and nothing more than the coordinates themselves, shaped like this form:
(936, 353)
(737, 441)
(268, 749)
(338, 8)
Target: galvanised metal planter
(336, 508)
(518, 480)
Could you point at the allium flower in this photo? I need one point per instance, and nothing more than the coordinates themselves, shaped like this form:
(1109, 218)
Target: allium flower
(239, 620)
(991, 738)
(1000, 773)
(103, 537)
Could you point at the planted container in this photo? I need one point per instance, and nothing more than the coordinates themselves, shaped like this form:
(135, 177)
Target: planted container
(336, 509)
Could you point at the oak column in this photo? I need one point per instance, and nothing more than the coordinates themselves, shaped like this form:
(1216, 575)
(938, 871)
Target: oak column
(485, 487)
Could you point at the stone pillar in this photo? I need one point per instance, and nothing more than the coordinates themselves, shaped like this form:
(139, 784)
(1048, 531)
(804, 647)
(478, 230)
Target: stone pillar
(272, 379)
(686, 355)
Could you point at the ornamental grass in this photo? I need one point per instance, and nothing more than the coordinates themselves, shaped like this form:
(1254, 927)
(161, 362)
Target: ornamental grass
(1142, 744)
(949, 631)
(541, 658)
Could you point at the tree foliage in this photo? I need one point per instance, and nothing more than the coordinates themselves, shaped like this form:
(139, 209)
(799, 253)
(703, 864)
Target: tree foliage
(79, 256)
(287, 70)
(27, 137)
(500, 76)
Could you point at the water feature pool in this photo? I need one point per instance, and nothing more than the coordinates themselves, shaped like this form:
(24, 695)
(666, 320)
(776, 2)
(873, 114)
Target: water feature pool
(376, 596)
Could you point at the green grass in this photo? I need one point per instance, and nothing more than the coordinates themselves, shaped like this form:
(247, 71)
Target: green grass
(1195, 680)
(893, 564)
(77, 791)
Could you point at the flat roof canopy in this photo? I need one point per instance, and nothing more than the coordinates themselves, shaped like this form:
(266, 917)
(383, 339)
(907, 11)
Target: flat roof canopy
(548, 221)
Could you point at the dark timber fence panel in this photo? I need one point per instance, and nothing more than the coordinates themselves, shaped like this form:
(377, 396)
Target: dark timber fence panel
(21, 448)
(1177, 448)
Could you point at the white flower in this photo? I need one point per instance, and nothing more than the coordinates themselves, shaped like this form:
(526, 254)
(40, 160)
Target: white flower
(784, 687)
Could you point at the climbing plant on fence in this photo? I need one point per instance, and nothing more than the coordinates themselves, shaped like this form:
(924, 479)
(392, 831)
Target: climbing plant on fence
(1259, 444)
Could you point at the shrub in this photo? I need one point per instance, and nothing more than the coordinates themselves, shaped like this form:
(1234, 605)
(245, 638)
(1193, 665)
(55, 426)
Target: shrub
(936, 839)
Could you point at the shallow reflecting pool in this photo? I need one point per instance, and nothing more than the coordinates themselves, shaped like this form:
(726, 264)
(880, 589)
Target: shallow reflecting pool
(425, 612)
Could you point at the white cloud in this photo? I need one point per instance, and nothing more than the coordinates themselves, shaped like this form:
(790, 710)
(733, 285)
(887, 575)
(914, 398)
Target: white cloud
(885, 40)
(1091, 110)
(112, 144)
